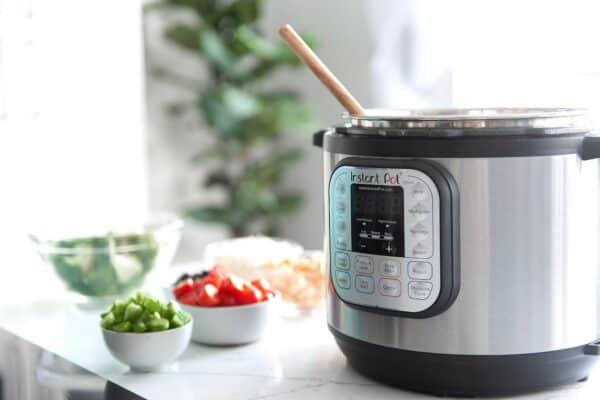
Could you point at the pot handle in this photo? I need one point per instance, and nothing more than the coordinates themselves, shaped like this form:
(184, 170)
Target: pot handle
(318, 138)
(590, 147)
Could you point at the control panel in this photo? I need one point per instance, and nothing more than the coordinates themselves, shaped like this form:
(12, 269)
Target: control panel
(384, 232)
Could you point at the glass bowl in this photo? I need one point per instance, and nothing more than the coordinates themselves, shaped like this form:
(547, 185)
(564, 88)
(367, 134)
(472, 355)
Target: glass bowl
(115, 260)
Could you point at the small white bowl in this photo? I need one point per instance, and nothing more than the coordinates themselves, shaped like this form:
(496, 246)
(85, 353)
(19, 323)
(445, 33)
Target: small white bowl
(231, 325)
(148, 351)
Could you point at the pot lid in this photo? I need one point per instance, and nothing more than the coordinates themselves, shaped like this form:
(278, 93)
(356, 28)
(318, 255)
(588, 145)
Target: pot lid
(473, 120)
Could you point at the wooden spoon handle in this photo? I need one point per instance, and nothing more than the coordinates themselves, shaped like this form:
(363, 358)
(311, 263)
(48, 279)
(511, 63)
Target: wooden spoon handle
(320, 70)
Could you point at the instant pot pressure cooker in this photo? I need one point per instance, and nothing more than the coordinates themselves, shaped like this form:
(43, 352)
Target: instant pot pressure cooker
(463, 247)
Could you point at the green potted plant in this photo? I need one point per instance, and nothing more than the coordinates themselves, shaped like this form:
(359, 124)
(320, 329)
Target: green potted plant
(247, 159)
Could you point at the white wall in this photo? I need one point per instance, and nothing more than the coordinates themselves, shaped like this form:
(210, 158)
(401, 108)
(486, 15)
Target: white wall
(468, 53)
(71, 117)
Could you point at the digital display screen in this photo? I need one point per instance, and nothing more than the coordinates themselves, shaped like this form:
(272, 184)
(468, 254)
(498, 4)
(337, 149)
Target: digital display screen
(378, 220)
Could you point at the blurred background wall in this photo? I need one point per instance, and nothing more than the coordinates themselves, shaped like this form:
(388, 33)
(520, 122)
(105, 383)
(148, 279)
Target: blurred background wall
(73, 102)
(344, 43)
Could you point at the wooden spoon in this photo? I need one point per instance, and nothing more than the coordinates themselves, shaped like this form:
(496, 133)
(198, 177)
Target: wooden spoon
(320, 70)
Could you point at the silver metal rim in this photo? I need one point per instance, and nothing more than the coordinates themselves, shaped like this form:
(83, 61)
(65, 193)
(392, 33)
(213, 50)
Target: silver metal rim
(473, 118)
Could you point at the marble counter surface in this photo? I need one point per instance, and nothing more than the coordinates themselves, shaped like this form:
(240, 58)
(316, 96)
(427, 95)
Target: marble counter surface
(298, 360)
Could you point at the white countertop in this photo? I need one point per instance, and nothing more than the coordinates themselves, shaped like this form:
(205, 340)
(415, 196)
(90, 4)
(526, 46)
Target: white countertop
(298, 360)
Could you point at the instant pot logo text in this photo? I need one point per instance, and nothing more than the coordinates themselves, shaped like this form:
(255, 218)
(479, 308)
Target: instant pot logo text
(375, 179)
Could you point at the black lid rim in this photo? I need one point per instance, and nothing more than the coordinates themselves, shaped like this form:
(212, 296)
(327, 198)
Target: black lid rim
(344, 140)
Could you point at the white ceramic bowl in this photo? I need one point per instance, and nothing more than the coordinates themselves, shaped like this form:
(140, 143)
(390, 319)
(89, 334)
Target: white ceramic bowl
(149, 351)
(231, 325)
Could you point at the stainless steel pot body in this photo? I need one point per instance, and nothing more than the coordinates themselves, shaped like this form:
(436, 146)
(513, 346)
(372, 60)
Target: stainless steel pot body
(529, 262)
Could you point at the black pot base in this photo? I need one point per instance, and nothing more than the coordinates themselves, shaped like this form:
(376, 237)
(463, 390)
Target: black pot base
(464, 375)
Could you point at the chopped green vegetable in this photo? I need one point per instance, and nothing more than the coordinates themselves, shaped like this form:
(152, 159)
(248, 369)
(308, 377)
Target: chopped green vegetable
(159, 324)
(143, 313)
(118, 309)
(149, 316)
(176, 321)
(108, 320)
(139, 327)
(170, 310)
(124, 326)
(185, 317)
(152, 305)
(132, 312)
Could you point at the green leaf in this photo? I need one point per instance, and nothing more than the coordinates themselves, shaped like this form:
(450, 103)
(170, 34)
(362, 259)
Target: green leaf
(227, 108)
(288, 204)
(209, 214)
(217, 52)
(260, 70)
(183, 35)
(289, 113)
(217, 214)
(269, 171)
(254, 198)
(278, 53)
(241, 104)
(218, 115)
(282, 112)
(243, 11)
(260, 47)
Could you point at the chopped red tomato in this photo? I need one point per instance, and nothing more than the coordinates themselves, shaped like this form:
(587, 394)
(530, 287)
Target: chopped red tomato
(233, 285)
(226, 299)
(189, 298)
(209, 296)
(249, 295)
(217, 288)
(184, 287)
(215, 277)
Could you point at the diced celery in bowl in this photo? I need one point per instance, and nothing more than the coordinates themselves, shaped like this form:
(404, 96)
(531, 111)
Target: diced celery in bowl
(143, 313)
(146, 333)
